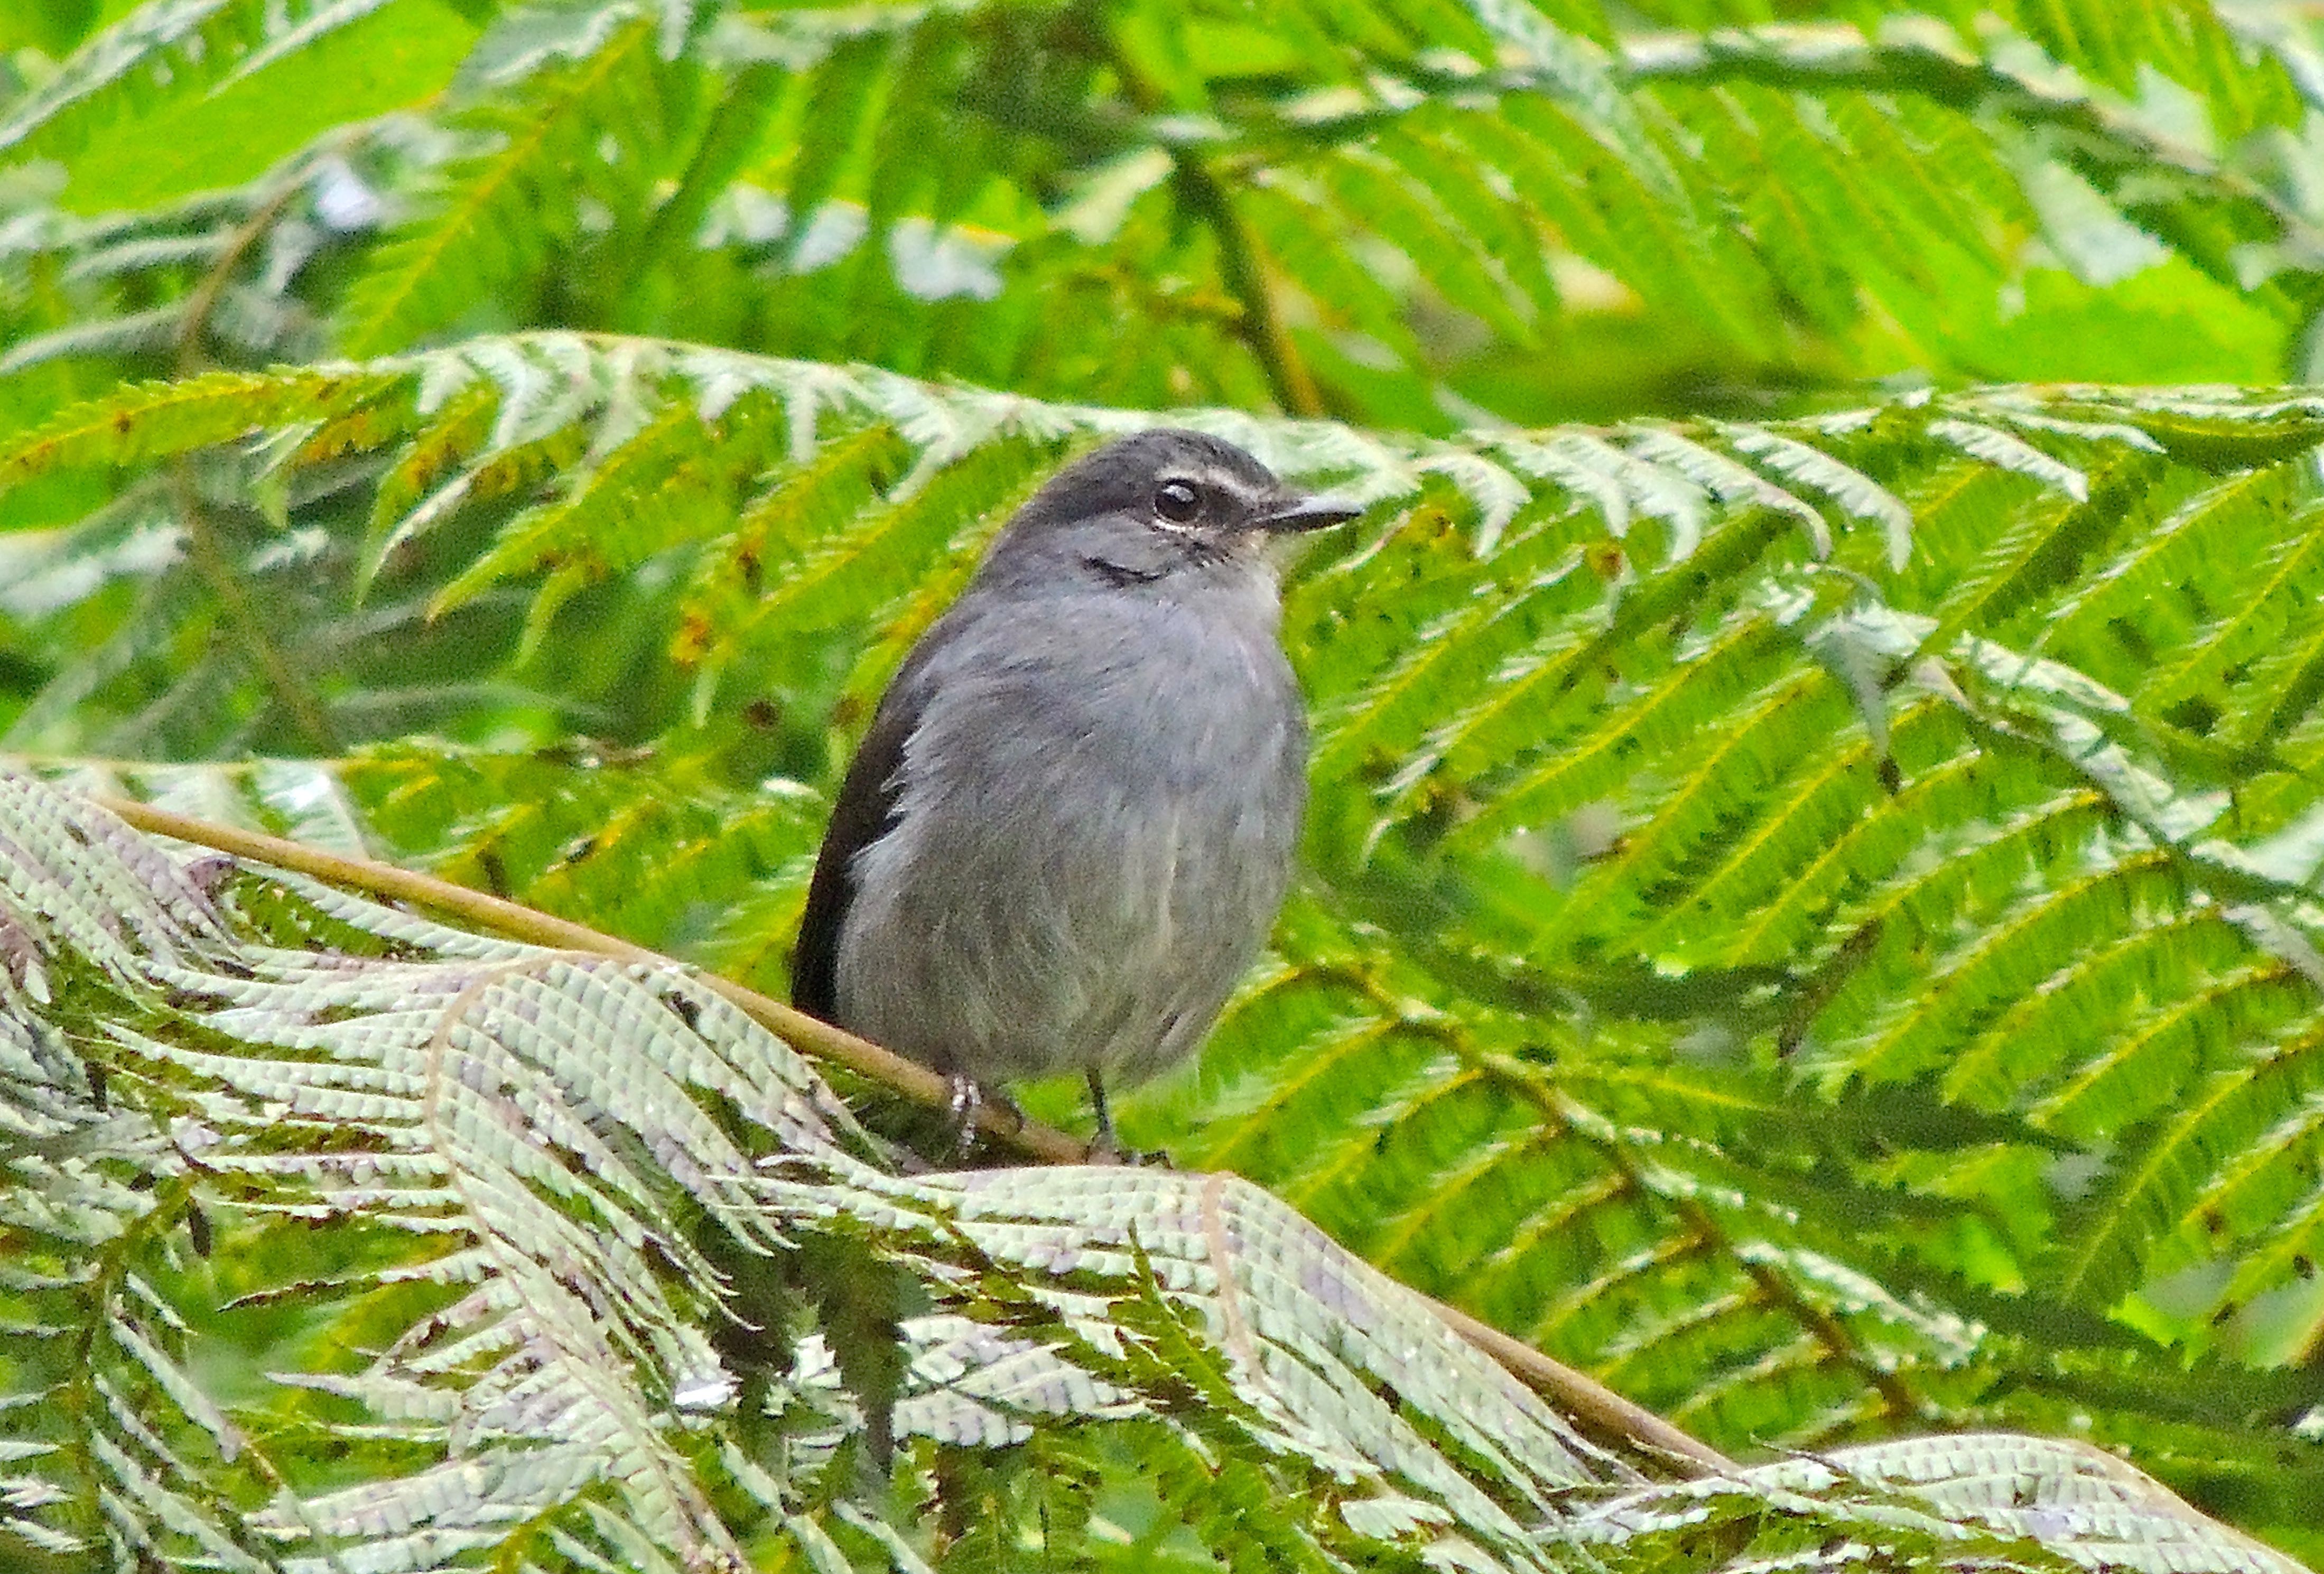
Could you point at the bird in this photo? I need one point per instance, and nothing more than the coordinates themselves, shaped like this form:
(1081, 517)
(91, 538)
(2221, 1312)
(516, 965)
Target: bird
(1070, 826)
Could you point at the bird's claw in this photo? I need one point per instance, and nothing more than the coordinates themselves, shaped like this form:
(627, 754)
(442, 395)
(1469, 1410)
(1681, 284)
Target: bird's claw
(966, 1105)
(1106, 1149)
(967, 1098)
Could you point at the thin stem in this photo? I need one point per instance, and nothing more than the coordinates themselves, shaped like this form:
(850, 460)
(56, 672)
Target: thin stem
(194, 327)
(1702, 1227)
(210, 561)
(1244, 268)
(209, 553)
(1595, 1410)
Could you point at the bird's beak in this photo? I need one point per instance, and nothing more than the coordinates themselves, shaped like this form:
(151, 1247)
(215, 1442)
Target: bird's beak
(1309, 513)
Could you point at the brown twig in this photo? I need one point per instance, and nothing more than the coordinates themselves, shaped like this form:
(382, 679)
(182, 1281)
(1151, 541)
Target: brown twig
(193, 327)
(202, 543)
(1243, 270)
(1702, 1226)
(1596, 1411)
(816, 1038)
(1242, 267)
(210, 561)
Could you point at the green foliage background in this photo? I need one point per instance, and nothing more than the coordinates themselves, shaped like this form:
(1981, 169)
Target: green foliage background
(1810, 909)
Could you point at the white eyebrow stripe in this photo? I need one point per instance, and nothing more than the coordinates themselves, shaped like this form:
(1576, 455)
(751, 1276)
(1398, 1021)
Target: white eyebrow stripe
(1225, 481)
(1208, 478)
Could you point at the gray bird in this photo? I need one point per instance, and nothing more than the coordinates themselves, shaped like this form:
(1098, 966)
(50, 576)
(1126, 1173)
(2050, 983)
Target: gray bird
(1071, 823)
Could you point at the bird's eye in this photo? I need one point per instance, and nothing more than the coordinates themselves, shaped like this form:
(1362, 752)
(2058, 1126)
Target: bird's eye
(1177, 501)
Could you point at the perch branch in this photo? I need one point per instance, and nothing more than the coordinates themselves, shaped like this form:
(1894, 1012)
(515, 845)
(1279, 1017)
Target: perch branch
(1596, 1410)
(810, 1035)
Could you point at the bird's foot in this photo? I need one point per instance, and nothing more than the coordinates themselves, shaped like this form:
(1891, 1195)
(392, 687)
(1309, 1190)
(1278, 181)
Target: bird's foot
(1106, 1149)
(966, 1099)
(966, 1104)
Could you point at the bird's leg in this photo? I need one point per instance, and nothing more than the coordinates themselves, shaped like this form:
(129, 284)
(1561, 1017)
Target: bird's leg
(966, 1099)
(966, 1103)
(1105, 1147)
(1104, 1142)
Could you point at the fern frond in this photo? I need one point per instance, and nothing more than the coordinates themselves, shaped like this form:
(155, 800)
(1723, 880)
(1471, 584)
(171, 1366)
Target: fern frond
(1522, 701)
(155, 420)
(179, 34)
(594, 1136)
(501, 208)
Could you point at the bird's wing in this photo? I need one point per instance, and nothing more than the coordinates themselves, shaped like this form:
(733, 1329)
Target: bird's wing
(863, 814)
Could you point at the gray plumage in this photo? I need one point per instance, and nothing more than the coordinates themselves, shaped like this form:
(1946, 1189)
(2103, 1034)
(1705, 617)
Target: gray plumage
(1071, 823)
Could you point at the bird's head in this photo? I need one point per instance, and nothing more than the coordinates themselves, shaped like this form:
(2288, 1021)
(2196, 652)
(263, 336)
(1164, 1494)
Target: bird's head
(1150, 508)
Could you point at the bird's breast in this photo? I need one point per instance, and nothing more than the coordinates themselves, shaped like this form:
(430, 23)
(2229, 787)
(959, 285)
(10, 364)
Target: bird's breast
(1094, 831)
